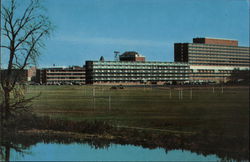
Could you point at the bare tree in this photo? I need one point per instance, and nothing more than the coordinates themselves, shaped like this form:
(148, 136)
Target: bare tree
(24, 29)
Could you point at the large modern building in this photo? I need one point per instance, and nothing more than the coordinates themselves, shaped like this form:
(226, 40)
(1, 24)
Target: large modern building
(203, 60)
(211, 51)
(135, 72)
(61, 75)
(212, 59)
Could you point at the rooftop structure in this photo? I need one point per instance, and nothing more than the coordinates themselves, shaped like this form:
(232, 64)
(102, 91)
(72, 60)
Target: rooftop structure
(131, 56)
(217, 41)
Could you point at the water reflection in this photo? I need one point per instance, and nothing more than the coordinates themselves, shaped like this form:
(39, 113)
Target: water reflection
(115, 152)
(33, 147)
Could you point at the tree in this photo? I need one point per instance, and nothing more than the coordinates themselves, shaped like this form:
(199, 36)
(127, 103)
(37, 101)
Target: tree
(239, 76)
(24, 28)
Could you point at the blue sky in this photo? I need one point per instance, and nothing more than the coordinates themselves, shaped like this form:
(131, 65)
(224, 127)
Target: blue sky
(88, 29)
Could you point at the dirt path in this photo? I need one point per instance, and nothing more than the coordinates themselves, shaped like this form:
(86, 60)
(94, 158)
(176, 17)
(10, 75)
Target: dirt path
(159, 130)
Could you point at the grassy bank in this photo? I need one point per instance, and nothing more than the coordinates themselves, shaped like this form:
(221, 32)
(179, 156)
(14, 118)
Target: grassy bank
(214, 110)
(206, 120)
(99, 134)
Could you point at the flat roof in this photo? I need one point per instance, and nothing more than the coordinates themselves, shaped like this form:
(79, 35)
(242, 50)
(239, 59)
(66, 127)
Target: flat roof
(136, 62)
(217, 38)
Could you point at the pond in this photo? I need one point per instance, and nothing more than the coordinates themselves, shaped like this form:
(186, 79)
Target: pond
(114, 152)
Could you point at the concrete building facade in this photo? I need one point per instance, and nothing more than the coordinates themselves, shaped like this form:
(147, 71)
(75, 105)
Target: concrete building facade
(203, 60)
(61, 75)
(216, 74)
(221, 54)
(212, 59)
(134, 72)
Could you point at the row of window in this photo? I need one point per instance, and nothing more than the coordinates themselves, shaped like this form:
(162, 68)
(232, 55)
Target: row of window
(140, 64)
(138, 79)
(197, 55)
(65, 71)
(141, 71)
(210, 76)
(156, 75)
(219, 50)
(211, 72)
(218, 60)
(138, 68)
(64, 74)
(218, 47)
(218, 54)
(224, 64)
(65, 78)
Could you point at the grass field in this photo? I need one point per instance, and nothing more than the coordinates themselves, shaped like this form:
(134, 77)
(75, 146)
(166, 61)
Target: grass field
(199, 109)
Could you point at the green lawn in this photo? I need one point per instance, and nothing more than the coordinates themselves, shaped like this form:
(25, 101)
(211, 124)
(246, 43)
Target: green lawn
(219, 112)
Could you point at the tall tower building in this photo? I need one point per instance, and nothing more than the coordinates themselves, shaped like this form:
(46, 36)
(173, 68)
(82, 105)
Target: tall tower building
(212, 59)
(212, 51)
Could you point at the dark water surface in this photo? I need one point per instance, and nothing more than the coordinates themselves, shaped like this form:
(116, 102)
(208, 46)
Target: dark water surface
(115, 152)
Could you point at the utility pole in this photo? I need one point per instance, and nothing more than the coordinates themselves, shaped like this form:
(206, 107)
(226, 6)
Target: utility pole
(179, 94)
(109, 102)
(191, 94)
(116, 55)
(94, 98)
